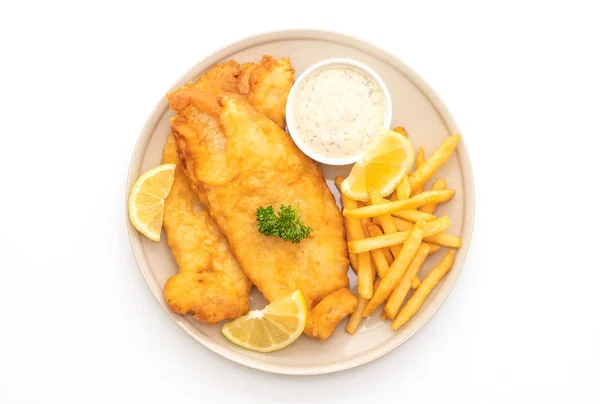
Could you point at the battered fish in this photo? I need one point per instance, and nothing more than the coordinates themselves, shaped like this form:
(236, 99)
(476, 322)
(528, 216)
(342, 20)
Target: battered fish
(210, 283)
(233, 148)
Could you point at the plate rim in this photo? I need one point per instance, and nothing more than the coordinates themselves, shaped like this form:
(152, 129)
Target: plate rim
(270, 36)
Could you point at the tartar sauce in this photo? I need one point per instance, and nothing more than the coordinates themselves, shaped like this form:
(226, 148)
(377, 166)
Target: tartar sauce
(338, 112)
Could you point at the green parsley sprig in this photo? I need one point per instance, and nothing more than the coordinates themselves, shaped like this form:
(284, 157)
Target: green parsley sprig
(285, 224)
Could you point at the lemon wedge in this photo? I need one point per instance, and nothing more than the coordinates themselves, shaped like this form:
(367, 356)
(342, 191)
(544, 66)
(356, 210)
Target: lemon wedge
(381, 168)
(147, 200)
(272, 328)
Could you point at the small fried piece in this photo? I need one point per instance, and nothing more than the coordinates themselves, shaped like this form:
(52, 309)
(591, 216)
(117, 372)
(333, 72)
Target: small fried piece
(394, 274)
(411, 203)
(416, 300)
(416, 281)
(438, 185)
(372, 243)
(401, 130)
(399, 294)
(422, 174)
(326, 315)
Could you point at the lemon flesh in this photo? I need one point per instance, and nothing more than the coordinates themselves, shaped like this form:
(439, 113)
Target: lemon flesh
(147, 200)
(272, 328)
(381, 168)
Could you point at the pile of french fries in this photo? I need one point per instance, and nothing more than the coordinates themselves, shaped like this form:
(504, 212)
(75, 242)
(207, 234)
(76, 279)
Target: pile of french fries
(389, 239)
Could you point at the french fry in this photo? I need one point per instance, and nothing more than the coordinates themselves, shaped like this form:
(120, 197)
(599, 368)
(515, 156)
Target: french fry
(364, 266)
(399, 294)
(411, 203)
(394, 274)
(421, 175)
(416, 300)
(433, 248)
(386, 221)
(445, 240)
(372, 243)
(403, 225)
(419, 161)
(413, 215)
(401, 130)
(381, 263)
(438, 185)
(437, 240)
(403, 189)
(365, 275)
(347, 203)
(356, 317)
(388, 255)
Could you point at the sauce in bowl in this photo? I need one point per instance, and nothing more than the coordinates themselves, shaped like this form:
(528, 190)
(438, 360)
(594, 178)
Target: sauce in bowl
(338, 111)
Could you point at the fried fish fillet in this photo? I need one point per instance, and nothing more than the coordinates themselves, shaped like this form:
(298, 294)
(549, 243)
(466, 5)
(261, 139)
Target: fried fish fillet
(199, 134)
(242, 159)
(270, 170)
(210, 283)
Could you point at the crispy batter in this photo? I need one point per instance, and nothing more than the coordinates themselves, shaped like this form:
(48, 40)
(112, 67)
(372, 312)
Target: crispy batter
(242, 159)
(274, 171)
(326, 315)
(210, 283)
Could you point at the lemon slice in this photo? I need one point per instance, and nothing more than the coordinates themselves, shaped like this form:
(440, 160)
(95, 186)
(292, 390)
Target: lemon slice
(147, 200)
(272, 328)
(381, 168)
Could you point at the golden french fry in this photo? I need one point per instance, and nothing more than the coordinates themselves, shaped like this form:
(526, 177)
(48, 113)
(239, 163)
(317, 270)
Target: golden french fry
(401, 224)
(388, 255)
(445, 239)
(416, 300)
(381, 263)
(365, 275)
(411, 203)
(403, 189)
(438, 185)
(372, 243)
(399, 294)
(355, 231)
(433, 248)
(401, 130)
(419, 161)
(386, 221)
(394, 274)
(413, 215)
(437, 240)
(356, 317)
(421, 175)
(347, 203)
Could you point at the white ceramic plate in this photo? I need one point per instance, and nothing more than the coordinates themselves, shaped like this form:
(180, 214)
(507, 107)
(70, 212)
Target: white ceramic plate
(428, 122)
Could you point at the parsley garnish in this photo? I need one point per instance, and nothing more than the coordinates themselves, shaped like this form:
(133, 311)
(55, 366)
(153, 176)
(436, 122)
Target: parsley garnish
(285, 224)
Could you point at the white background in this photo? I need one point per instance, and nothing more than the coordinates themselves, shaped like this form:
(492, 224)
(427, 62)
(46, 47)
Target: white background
(78, 323)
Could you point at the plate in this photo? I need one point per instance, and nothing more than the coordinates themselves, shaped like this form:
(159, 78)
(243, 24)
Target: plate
(428, 122)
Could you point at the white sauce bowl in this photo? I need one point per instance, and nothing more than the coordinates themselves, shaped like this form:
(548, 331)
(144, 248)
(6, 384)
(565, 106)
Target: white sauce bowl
(327, 64)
